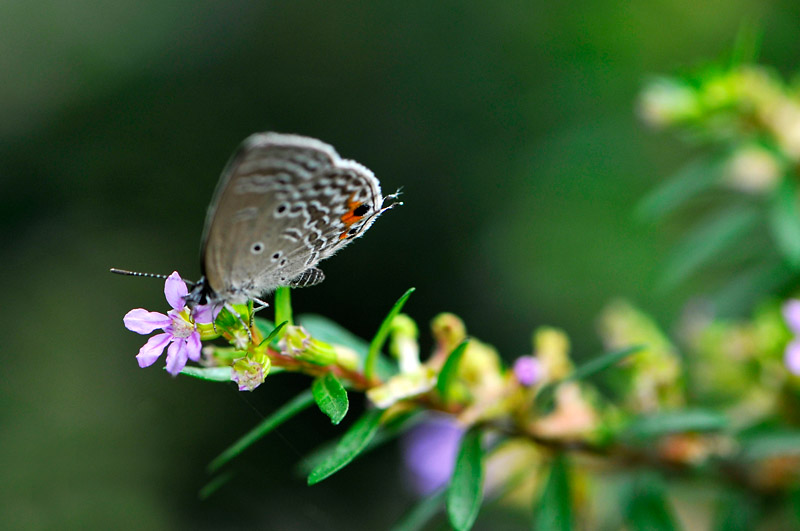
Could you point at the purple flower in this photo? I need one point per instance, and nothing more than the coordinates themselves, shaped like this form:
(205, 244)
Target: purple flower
(429, 451)
(528, 370)
(791, 313)
(180, 329)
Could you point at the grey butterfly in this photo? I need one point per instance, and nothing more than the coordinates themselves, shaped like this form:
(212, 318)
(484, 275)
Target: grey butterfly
(283, 203)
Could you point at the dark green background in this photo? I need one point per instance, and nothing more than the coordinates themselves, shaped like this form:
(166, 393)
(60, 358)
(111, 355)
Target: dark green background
(509, 125)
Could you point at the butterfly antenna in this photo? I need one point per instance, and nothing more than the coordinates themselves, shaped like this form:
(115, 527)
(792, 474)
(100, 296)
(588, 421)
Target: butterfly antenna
(146, 275)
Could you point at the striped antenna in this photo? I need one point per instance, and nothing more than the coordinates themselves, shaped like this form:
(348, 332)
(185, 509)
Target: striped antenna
(146, 275)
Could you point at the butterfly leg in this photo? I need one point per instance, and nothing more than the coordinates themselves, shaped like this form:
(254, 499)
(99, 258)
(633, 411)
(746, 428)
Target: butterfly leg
(254, 309)
(233, 311)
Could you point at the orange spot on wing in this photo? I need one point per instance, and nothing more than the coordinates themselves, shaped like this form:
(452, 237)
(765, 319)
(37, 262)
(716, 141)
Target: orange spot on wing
(350, 216)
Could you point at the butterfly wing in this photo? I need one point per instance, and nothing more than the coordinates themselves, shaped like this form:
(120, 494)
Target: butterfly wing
(283, 203)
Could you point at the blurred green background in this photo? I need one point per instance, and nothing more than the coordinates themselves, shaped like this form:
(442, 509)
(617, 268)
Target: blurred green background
(509, 125)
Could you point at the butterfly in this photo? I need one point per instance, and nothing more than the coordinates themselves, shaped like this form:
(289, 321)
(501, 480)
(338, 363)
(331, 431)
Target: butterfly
(283, 203)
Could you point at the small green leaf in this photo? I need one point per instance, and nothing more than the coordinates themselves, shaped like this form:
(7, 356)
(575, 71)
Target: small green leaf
(465, 493)
(685, 184)
(214, 485)
(350, 445)
(603, 362)
(665, 422)
(450, 370)
(389, 431)
(265, 326)
(749, 285)
(290, 409)
(283, 305)
(770, 444)
(784, 221)
(705, 242)
(209, 374)
(646, 507)
(272, 335)
(553, 511)
(383, 332)
(544, 397)
(331, 397)
(421, 513)
(747, 44)
(737, 511)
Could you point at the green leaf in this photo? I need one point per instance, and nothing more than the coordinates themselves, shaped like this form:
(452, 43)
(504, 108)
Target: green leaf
(770, 444)
(383, 332)
(272, 335)
(750, 285)
(594, 366)
(328, 331)
(747, 44)
(389, 431)
(784, 221)
(685, 184)
(215, 484)
(209, 374)
(646, 507)
(350, 445)
(603, 362)
(449, 371)
(553, 512)
(331, 397)
(290, 409)
(283, 305)
(665, 422)
(422, 512)
(265, 326)
(465, 493)
(705, 242)
(737, 511)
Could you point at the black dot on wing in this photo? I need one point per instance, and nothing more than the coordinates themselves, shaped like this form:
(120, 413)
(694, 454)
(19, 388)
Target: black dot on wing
(361, 210)
(257, 247)
(276, 255)
(352, 232)
(281, 208)
(283, 262)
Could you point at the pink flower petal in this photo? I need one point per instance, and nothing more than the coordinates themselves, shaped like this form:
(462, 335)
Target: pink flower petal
(177, 356)
(143, 322)
(151, 350)
(193, 346)
(175, 290)
(792, 357)
(791, 313)
(206, 313)
(528, 370)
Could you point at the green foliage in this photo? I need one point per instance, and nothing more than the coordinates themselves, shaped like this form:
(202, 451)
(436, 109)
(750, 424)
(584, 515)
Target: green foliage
(680, 421)
(465, 493)
(422, 512)
(383, 332)
(327, 330)
(290, 409)
(784, 219)
(283, 305)
(449, 371)
(553, 510)
(646, 506)
(349, 447)
(331, 397)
